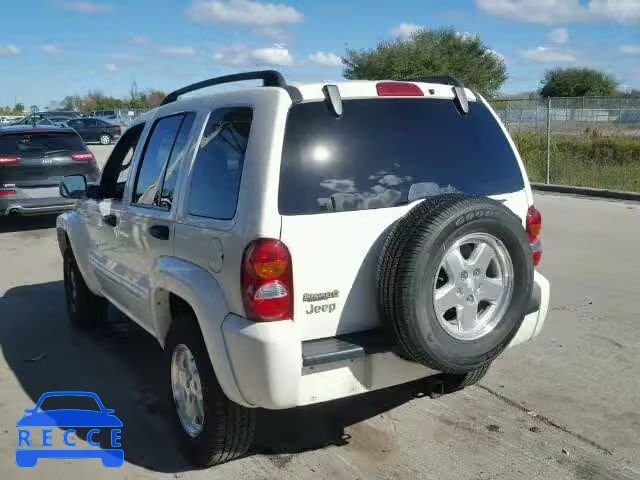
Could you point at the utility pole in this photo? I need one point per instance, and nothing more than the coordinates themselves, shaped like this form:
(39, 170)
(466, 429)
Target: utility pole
(548, 140)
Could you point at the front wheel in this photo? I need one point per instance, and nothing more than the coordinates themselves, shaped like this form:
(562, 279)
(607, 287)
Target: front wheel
(84, 307)
(105, 139)
(212, 429)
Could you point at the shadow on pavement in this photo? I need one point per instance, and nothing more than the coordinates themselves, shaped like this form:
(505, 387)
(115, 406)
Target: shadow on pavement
(122, 364)
(25, 224)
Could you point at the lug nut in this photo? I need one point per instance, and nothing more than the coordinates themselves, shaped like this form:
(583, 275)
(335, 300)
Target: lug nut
(470, 299)
(476, 272)
(459, 291)
(464, 275)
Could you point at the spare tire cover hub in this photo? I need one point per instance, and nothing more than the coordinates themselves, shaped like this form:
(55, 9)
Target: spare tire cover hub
(474, 286)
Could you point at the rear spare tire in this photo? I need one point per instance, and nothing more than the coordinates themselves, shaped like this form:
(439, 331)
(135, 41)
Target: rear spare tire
(454, 278)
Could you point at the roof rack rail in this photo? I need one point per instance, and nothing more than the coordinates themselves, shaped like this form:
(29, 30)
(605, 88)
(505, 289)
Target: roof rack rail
(270, 78)
(446, 79)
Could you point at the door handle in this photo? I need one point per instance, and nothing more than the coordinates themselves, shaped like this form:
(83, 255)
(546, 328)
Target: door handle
(110, 219)
(161, 232)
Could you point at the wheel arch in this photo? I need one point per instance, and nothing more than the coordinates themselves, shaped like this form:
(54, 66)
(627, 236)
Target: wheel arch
(176, 283)
(72, 234)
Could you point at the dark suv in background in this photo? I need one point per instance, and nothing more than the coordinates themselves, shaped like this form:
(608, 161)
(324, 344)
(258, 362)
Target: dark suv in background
(33, 160)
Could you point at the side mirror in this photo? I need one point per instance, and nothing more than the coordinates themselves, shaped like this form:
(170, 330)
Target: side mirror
(73, 186)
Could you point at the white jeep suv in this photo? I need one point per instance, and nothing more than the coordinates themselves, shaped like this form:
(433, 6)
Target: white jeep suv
(293, 244)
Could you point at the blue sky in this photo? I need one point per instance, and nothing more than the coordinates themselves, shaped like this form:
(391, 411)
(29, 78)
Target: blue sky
(53, 48)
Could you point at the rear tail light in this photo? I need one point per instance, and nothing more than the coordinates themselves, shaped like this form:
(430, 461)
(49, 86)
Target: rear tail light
(534, 226)
(83, 157)
(267, 281)
(398, 89)
(9, 160)
(118, 129)
(7, 193)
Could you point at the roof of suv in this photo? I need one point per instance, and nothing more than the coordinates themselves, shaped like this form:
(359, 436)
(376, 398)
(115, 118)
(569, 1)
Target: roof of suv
(439, 87)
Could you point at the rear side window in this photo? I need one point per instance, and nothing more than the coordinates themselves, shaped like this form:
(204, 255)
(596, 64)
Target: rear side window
(36, 145)
(386, 152)
(175, 160)
(154, 158)
(218, 168)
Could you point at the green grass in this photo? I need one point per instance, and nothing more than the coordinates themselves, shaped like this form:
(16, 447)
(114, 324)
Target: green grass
(584, 160)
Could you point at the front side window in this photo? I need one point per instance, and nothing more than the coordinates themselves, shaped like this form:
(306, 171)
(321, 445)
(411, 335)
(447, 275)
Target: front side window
(178, 154)
(218, 167)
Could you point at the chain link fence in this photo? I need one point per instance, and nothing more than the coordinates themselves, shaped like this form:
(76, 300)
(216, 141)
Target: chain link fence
(585, 141)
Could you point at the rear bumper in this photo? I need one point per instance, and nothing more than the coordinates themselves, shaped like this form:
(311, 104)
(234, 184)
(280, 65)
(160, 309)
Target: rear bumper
(275, 369)
(34, 206)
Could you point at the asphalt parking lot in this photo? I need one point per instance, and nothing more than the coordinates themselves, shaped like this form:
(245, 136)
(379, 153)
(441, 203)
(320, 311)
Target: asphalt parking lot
(564, 407)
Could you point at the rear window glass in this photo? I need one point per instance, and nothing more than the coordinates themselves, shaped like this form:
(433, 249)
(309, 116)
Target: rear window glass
(387, 152)
(34, 145)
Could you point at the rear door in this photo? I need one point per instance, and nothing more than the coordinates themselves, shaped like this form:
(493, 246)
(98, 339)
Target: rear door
(78, 125)
(345, 181)
(92, 130)
(40, 158)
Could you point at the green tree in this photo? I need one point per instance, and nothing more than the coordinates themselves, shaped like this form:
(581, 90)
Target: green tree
(577, 82)
(430, 52)
(19, 107)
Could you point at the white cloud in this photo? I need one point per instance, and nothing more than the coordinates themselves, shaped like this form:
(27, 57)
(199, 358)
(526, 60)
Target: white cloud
(630, 49)
(50, 49)
(89, 8)
(342, 185)
(178, 51)
(405, 30)
(558, 36)
(127, 58)
(9, 50)
(548, 55)
(111, 67)
(242, 56)
(327, 59)
(243, 12)
(563, 11)
(140, 41)
(465, 35)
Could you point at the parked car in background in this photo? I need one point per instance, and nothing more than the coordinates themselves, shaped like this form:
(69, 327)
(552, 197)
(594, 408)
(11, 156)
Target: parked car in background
(53, 121)
(32, 163)
(103, 113)
(93, 129)
(35, 117)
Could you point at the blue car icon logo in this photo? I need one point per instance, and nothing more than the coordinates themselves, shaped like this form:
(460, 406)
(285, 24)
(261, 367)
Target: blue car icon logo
(27, 455)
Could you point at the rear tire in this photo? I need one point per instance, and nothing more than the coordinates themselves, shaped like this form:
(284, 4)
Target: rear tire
(105, 139)
(227, 429)
(85, 309)
(456, 382)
